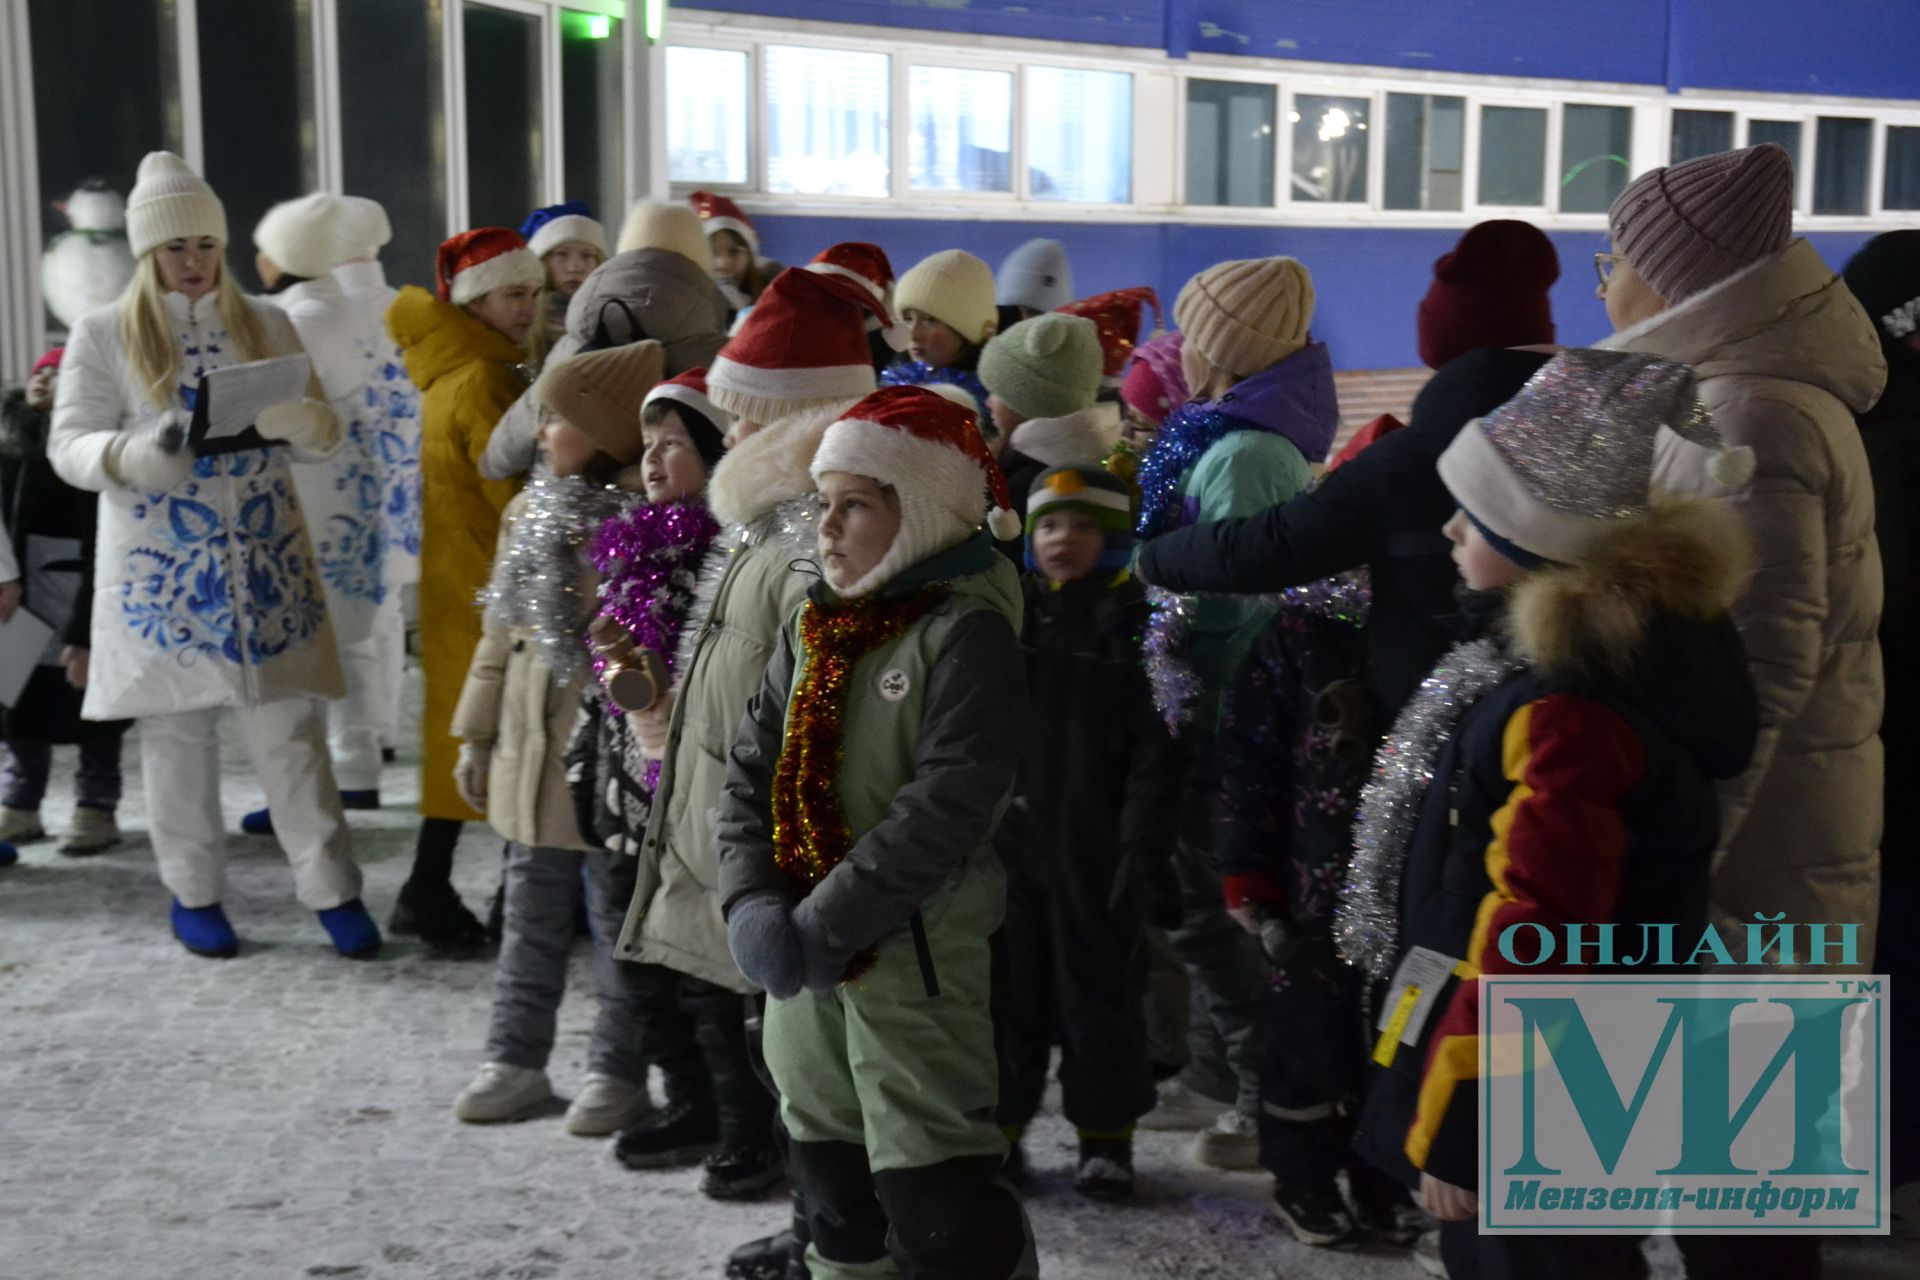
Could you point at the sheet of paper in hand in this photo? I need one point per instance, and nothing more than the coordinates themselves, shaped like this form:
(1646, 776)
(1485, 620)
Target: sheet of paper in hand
(22, 639)
(229, 399)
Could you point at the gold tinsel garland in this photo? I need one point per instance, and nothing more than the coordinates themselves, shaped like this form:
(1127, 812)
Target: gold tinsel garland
(810, 830)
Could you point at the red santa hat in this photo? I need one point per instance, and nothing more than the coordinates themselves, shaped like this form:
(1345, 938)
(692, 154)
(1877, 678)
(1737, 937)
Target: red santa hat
(929, 450)
(721, 214)
(1117, 316)
(867, 264)
(803, 344)
(690, 389)
(475, 263)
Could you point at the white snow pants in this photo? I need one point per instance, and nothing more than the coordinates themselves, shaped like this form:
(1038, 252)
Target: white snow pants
(287, 741)
(359, 724)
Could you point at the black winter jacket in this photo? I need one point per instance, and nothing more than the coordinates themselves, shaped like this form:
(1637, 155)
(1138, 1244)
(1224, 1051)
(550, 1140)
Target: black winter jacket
(1097, 801)
(52, 526)
(1382, 509)
(1891, 434)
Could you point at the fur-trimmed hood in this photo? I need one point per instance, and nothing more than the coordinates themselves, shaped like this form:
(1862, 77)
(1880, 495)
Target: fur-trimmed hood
(1646, 615)
(771, 465)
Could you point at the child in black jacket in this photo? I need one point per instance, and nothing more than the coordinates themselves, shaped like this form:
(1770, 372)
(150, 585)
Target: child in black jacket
(1086, 842)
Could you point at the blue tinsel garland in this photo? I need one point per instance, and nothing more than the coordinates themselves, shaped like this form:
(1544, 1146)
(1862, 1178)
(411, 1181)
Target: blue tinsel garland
(1185, 437)
(918, 373)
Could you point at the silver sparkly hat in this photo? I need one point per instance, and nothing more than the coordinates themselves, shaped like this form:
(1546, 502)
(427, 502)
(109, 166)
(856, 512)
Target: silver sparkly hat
(1589, 441)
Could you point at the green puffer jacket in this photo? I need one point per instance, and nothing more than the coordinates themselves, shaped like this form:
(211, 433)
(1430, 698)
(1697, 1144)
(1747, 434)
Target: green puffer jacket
(934, 728)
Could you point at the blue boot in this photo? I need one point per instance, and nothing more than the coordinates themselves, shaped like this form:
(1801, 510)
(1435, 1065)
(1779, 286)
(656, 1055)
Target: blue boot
(205, 931)
(353, 931)
(8, 854)
(257, 823)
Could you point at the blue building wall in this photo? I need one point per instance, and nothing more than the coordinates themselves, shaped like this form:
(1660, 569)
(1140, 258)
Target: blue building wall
(1369, 280)
(1858, 47)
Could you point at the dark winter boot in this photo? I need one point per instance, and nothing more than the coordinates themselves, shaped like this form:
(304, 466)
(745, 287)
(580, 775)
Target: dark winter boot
(1316, 1214)
(1105, 1171)
(438, 918)
(737, 1172)
(768, 1258)
(1383, 1208)
(677, 1135)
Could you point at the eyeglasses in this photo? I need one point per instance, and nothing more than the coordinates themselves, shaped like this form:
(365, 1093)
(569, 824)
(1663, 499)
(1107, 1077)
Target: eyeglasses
(1603, 265)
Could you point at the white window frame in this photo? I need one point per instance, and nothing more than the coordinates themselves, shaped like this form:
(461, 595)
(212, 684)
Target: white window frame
(756, 115)
(1160, 124)
(903, 65)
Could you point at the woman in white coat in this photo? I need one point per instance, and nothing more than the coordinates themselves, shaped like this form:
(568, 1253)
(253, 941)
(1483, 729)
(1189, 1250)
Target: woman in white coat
(342, 497)
(205, 596)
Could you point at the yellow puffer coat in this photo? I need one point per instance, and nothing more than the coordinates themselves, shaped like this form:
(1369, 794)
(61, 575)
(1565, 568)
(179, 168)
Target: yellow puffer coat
(468, 375)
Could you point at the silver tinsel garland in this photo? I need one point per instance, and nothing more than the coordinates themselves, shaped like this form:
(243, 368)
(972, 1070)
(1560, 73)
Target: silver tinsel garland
(542, 581)
(1366, 924)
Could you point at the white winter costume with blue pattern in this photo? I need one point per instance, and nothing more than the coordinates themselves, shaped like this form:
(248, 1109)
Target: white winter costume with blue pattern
(206, 595)
(343, 498)
(393, 405)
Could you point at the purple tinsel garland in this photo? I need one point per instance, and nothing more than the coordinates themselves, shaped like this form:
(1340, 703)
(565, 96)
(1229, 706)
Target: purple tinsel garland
(649, 561)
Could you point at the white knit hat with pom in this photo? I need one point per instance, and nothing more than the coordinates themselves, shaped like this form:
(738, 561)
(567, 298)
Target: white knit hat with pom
(301, 236)
(169, 201)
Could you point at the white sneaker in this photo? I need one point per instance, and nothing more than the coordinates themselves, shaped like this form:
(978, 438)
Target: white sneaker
(1178, 1108)
(501, 1092)
(606, 1105)
(1231, 1142)
(91, 831)
(21, 826)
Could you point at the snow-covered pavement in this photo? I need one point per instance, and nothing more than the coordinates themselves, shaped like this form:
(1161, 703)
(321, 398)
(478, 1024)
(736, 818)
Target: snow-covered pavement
(288, 1113)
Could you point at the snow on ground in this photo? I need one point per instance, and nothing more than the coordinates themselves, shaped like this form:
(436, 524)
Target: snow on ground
(287, 1113)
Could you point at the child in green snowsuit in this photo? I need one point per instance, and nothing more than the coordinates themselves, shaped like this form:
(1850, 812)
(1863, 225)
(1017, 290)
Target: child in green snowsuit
(857, 870)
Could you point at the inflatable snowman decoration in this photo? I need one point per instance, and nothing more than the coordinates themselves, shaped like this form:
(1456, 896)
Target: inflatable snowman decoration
(89, 265)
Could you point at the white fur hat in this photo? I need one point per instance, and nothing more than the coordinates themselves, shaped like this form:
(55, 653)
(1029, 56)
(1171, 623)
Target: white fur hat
(301, 236)
(171, 202)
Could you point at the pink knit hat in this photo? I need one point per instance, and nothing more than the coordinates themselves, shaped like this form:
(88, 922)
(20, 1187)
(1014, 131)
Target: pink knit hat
(1689, 226)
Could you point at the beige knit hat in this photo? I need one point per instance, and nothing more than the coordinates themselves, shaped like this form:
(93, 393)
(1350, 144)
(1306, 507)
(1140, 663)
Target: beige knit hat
(653, 224)
(171, 202)
(1248, 315)
(1689, 226)
(600, 393)
(362, 230)
(955, 288)
(301, 235)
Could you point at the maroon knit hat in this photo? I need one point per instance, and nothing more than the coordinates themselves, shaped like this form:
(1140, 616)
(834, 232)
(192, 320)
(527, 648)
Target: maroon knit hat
(1491, 291)
(1689, 226)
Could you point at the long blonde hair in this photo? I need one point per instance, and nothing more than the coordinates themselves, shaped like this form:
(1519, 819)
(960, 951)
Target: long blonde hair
(147, 334)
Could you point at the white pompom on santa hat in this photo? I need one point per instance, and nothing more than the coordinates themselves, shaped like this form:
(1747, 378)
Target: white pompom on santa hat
(803, 345)
(869, 265)
(475, 263)
(929, 451)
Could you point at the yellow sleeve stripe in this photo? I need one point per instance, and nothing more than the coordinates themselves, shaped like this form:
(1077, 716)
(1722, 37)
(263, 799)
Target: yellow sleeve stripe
(1514, 750)
(1454, 1059)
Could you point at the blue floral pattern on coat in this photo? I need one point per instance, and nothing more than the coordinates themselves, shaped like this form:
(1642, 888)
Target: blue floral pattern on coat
(351, 543)
(395, 405)
(222, 568)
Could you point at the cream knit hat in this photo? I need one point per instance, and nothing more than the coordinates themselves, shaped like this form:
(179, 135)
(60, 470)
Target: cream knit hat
(171, 202)
(955, 288)
(1248, 315)
(363, 229)
(301, 235)
(653, 224)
